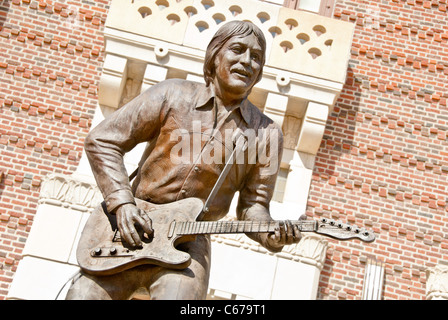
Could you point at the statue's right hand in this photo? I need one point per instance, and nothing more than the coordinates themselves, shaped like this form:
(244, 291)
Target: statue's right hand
(129, 218)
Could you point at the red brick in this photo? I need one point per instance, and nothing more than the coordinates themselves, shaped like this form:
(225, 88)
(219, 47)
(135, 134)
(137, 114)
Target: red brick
(366, 148)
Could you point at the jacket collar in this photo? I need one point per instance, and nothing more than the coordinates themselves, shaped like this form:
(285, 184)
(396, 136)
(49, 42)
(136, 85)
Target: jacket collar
(207, 95)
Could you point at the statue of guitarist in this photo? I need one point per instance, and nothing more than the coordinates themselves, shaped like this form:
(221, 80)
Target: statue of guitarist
(187, 127)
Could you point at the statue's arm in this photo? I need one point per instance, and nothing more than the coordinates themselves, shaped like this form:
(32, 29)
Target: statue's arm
(138, 121)
(256, 194)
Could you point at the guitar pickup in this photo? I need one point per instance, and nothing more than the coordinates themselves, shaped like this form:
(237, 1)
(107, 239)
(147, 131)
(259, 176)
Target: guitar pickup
(109, 252)
(172, 228)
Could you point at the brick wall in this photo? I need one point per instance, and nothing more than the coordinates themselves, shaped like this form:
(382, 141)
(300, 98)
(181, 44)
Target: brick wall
(50, 64)
(383, 162)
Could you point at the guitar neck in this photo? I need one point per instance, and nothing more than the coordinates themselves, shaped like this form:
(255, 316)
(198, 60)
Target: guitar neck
(226, 227)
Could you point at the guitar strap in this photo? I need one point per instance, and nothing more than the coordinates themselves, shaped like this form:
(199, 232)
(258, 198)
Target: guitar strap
(240, 146)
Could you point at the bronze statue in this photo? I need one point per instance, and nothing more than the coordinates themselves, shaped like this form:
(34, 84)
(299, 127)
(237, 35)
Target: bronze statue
(188, 128)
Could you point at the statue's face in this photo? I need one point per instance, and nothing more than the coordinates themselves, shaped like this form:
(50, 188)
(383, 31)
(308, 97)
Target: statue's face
(238, 64)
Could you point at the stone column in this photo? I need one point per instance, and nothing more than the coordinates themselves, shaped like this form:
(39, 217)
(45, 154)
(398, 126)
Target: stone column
(298, 185)
(154, 73)
(299, 278)
(113, 81)
(313, 127)
(275, 107)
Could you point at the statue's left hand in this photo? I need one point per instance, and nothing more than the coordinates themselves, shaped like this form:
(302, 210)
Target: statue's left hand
(285, 234)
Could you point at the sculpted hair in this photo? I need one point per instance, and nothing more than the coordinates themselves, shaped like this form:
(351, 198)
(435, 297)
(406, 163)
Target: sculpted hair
(224, 34)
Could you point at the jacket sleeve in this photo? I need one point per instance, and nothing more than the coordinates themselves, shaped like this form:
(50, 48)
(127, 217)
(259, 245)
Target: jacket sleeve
(138, 121)
(258, 189)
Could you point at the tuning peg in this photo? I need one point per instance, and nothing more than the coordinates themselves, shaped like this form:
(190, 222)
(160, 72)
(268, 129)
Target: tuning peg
(365, 232)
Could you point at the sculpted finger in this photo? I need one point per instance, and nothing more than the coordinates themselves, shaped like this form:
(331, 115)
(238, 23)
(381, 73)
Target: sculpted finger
(277, 235)
(139, 218)
(282, 233)
(134, 235)
(147, 223)
(289, 232)
(125, 232)
(297, 234)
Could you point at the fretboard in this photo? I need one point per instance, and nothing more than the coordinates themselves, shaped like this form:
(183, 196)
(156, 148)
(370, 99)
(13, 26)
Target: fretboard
(216, 227)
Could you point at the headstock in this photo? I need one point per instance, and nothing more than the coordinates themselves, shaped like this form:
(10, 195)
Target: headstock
(343, 231)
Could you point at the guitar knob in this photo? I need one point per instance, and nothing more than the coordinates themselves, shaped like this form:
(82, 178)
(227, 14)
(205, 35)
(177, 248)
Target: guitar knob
(97, 251)
(113, 251)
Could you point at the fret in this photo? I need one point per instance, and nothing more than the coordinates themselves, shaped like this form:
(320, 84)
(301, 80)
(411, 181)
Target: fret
(242, 227)
(183, 228)
(195, 228)
(204, 225)
(217, 225)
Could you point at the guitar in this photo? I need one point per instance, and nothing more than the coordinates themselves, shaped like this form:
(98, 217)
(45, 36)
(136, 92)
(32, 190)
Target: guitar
(101, 252)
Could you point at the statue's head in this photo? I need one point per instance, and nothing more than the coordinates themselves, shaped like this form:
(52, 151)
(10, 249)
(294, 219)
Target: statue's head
(245, 34)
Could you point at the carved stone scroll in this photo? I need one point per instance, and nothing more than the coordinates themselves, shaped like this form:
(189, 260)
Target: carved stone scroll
(70, 192)
(437, 283)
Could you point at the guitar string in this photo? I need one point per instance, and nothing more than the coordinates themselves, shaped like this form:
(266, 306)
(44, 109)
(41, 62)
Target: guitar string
(210, 227)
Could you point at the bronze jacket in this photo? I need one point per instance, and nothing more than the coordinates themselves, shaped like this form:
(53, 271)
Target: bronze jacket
(187, 144)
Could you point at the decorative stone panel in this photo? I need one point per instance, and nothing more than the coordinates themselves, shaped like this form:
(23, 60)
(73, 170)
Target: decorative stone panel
(211, 13)
(310, 44)
(297, 41)
(437, 283)
(70, 192)
(161, 19)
